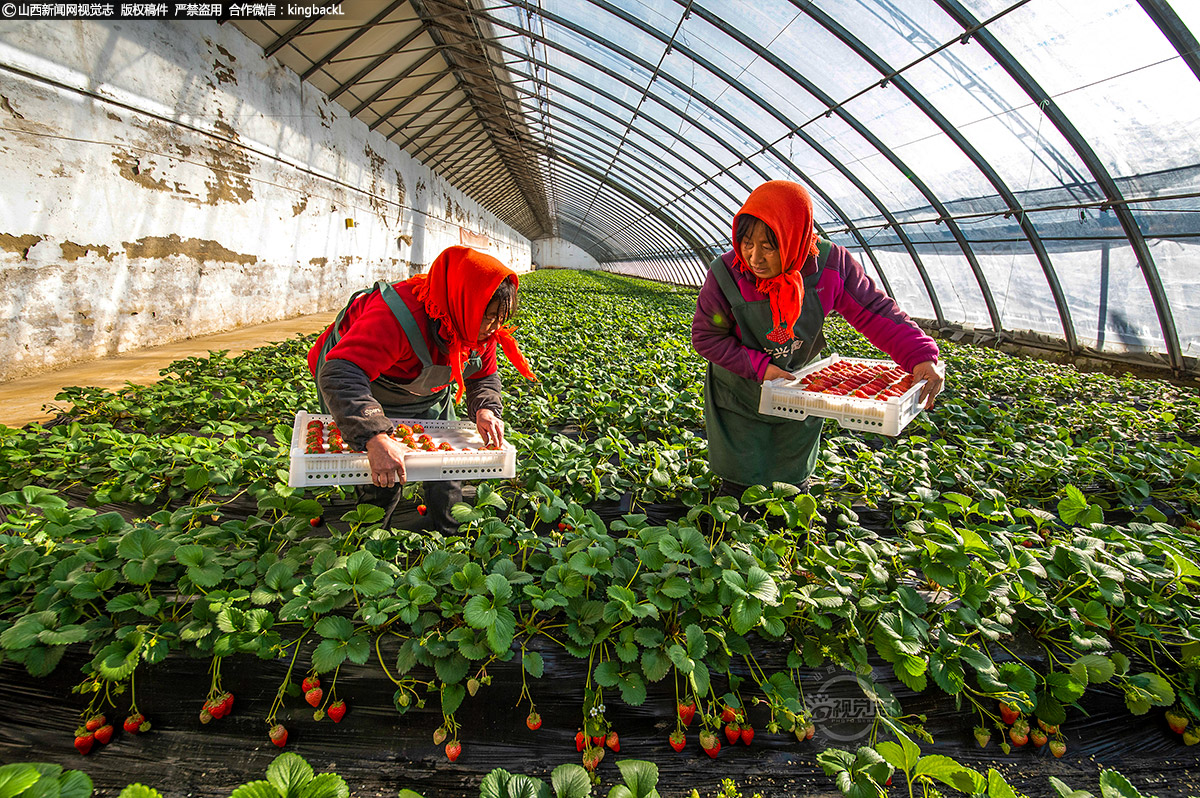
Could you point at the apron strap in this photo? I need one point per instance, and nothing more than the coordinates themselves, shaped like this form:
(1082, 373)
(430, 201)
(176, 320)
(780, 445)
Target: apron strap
(726, 282)
(407, 323)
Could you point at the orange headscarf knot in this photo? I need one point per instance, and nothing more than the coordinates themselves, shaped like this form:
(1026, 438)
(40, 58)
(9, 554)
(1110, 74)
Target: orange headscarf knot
(456, 291)
(786, 208)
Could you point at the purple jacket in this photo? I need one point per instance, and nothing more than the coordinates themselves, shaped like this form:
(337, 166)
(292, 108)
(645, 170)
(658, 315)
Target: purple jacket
(844, 287)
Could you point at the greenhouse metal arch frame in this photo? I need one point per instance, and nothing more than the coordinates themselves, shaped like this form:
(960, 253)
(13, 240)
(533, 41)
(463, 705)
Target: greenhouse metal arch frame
(634, 129)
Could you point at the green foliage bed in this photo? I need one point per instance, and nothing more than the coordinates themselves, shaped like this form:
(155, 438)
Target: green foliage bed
(1036, 503)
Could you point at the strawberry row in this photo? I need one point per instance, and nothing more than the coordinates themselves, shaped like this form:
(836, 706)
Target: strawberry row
(861, 380)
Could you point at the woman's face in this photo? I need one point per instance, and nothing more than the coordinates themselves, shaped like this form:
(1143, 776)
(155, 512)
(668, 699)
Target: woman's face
(759, 254)
(491, 321)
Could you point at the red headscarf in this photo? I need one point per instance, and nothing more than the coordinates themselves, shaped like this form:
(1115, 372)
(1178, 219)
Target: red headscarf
(786, 208)
(456, 290)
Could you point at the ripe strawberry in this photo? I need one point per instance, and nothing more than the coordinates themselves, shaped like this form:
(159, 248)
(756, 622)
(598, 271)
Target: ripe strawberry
(1048, 728)
(710, 743)
(104, 734)
(278, 735)
(314, 696)
(226, 703)
(580, 741)
(422, 510)
(453, 749)
(982, 736)
(83, 742)
(677, 740)
(534, 721)
(133, 723)
(309, 683)
(94, 722)
(747, 733)
(1038, 738)
(598, 740)
(1008, 713)
(687, 712)
(562, 527)
(1058, 748)
(337, 711)
(214, 707)
(733, 733)
(315, 522)
(1176, 720)
(613, 742)
(728, 715)
(1018, 738)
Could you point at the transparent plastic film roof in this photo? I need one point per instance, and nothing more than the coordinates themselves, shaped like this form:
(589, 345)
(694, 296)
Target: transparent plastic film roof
(1009, 171)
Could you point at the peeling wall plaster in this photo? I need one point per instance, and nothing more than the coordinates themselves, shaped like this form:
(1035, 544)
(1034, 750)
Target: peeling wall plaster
(164, 180)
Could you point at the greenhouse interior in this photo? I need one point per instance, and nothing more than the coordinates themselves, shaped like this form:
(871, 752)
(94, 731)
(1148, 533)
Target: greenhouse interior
(628, 398)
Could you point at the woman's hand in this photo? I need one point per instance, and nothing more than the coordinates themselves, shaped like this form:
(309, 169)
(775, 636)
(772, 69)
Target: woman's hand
(386, 456)
(773, 372)
(934, 374)
(490, 427)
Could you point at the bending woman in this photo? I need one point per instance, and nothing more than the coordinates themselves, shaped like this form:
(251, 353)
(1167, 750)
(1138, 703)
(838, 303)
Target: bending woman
(398, 349)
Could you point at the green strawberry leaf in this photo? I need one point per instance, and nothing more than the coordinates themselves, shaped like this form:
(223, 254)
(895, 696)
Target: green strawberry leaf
(571, 781)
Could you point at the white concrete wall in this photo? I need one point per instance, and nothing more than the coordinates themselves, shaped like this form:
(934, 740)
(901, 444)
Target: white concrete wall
(163, 180)
(550, 253)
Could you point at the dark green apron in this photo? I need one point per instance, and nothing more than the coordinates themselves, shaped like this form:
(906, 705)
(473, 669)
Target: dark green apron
(745, 446)
(430, 395)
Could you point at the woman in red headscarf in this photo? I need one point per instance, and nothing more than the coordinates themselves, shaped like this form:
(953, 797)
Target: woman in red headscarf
(759, 317)
(411, 349)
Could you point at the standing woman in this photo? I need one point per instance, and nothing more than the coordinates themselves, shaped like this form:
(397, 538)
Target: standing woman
(760, 316)
(398, 350)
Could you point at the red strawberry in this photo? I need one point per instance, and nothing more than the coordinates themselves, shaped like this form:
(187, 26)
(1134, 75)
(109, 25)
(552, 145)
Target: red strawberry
(104, 734)
(728, 715)
(83, 742)
(613, 742)
(422, 509)
(580, 741)
(278, 735)
(453, 749)
(310, 682)
(94, 722)
(1176, 720)
(747, 733)
(598, 740)
(133, 723)
(1038, 738)
(1048, 728)
(1058, 748)
(1018, 737)
(226, 704)
(710, 743)
(337, 711)
(534, 721)
(315, 522)
(687, 712)
(1008, 713)
(733, 733)
(314, 696)
(678, 741)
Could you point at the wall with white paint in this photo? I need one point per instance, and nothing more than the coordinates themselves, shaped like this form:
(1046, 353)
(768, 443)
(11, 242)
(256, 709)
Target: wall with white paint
(558, 253)
(163, 180)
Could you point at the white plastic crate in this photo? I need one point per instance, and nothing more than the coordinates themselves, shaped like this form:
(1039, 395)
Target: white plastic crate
(352, 468)
(785, 398)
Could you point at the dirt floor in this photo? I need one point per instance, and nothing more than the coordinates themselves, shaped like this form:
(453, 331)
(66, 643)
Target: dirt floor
(22, 400)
